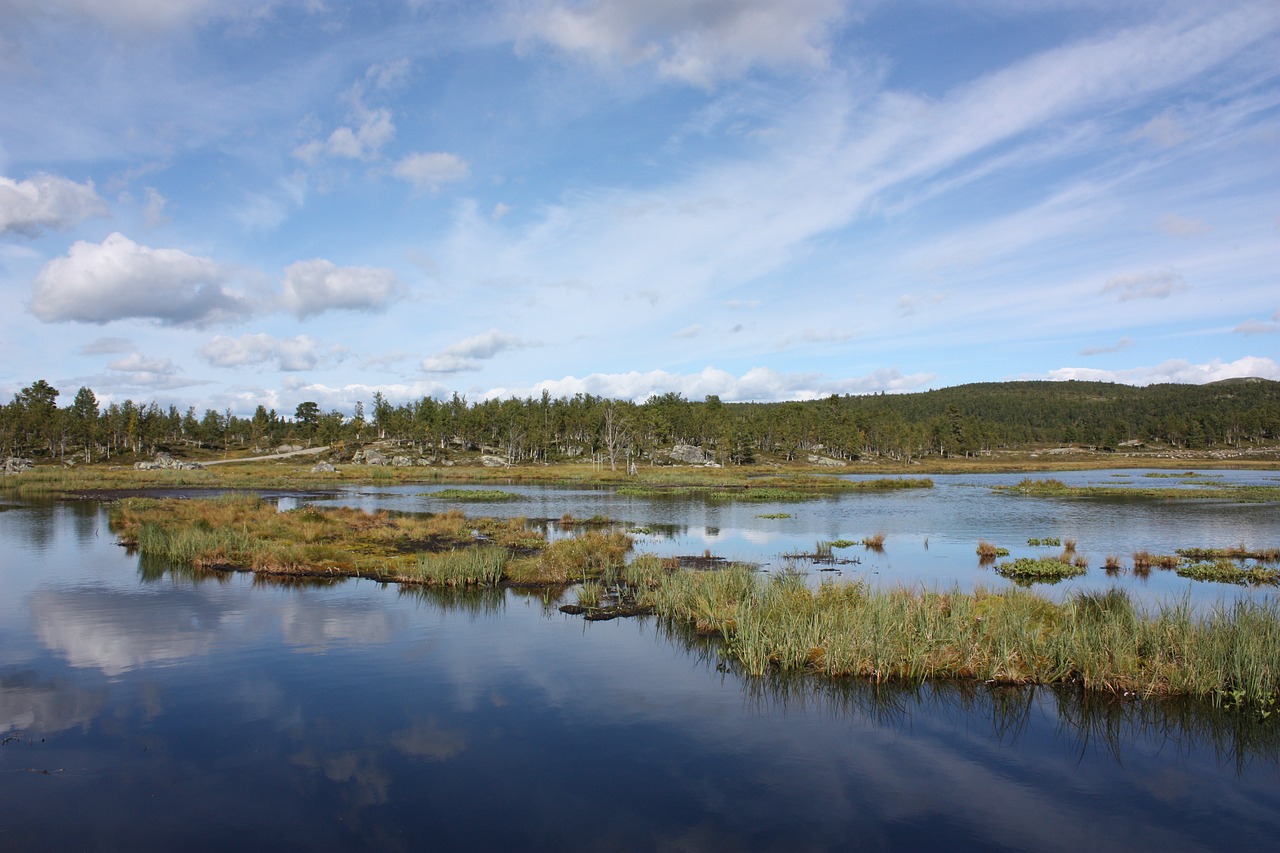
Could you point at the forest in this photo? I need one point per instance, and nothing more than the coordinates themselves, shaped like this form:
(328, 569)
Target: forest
(963, 420)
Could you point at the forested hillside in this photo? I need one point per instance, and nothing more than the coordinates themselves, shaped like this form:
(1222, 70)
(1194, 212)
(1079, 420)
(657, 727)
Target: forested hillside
(963, 420)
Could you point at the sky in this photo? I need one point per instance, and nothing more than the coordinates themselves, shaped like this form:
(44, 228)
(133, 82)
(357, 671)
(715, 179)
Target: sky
(233, 203)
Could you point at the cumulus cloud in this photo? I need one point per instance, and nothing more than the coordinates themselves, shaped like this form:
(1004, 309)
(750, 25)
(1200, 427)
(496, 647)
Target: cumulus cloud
(119, 279)
(694, 41)
(1122, 344)
(1177, 370)
(759, 384)
(289, 354)
(315, 286)
(467, 354)
(368, 128)
(139, 370)
(428, 170)
(373, 129)
(1158, 284)
(46, 202)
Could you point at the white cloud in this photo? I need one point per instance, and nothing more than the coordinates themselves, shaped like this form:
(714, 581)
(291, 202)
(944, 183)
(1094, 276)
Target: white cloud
(1145, 285)
(468, 353)
(694, 41)
(373, 129)
(1122, 344)
(120, 279)
(760, 384)
(428, 170)
(315, 286)
(46, 202)
(688, 332)
(1177, 370)
(290, 354)
(137, 369)
(499, 211)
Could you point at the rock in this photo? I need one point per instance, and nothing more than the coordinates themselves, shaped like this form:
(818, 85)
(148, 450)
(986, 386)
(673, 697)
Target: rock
(369, 457)
(401, 462)
(288, 448)
(16, 465)
(323, 468)
(814, 459)
(688, 453)
(489, 461)
(165, 462)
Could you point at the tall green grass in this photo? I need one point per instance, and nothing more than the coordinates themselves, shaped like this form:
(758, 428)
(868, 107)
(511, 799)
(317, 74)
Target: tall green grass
(1100, 641)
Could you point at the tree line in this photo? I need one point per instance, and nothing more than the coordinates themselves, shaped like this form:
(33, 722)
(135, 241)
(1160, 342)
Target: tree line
(958, 421)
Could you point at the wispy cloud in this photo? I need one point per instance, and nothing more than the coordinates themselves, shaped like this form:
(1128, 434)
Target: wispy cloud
(1145, 285)
(1122, 344)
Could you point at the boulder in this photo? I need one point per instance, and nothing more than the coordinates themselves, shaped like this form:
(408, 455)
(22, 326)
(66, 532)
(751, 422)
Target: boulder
(827, 461)
(323, 468)
(165, 462)
(688, 453)
(490, 461)
(401, 461)
(16, 465)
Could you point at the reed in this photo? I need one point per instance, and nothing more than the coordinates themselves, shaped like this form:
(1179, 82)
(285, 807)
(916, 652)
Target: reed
(988, 551)
(1099, 640)
(875, 542)
(579, 558)
(474, 566)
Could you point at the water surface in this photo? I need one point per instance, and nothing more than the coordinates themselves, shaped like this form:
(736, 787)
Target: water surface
(144, 706)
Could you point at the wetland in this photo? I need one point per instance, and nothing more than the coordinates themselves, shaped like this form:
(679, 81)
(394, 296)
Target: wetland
(177, 702)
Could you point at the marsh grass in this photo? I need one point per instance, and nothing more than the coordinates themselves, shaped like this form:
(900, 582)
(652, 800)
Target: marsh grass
(1101, 641)
(247, 533)
(473, 566)
(1214, 491)
(472, 495)
(989, 551)
(579, 558)
(874, 542)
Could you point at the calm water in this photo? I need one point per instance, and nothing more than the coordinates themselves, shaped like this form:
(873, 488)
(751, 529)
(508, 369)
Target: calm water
(143, 708)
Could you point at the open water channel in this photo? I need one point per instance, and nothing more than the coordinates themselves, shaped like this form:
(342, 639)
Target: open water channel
(143, 707)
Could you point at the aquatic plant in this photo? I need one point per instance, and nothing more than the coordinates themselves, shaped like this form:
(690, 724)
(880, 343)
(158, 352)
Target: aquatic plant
(469, 495)
(989, 551)
(1041, 570)
(875, 542)
(1101, 641)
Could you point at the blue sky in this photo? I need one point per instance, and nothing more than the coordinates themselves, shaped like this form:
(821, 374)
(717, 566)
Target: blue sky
(227, 203)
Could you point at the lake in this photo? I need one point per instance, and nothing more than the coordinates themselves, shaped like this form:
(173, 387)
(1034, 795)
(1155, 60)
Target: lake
(142, 706)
